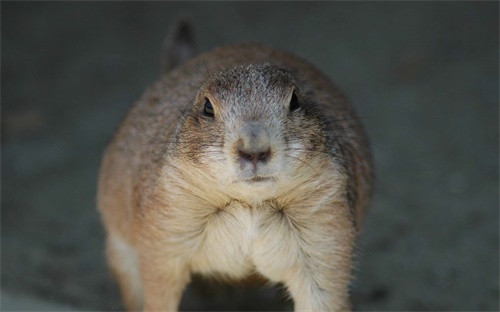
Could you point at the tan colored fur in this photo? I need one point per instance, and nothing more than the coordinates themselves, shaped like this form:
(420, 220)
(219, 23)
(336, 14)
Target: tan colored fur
(173, 205)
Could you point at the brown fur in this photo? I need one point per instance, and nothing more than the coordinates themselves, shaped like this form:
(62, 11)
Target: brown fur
(171, 208)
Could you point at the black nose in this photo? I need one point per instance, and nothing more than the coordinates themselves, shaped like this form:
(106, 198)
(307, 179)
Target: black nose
(254, 156)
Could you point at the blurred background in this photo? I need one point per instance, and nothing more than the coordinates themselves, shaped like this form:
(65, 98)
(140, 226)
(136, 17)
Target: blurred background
(423, 75)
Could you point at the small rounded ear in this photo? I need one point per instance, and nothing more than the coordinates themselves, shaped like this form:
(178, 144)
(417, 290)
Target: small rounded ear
(179, 45)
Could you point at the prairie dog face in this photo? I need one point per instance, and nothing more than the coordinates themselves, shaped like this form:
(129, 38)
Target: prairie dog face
(252, 132)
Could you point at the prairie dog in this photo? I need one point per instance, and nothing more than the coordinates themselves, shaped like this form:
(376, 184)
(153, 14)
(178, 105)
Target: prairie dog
(242, 160)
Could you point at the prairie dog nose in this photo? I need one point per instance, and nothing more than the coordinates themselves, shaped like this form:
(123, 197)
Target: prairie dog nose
(255, 156)
(254, 144)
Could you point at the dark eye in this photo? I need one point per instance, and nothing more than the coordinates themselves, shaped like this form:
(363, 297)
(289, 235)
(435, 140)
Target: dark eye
(208, 109)
(294, 103)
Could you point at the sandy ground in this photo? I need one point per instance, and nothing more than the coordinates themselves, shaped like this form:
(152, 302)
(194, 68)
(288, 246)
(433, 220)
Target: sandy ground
(423, 75)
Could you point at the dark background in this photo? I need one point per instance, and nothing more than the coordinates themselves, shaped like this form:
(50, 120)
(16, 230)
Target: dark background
(423, 75)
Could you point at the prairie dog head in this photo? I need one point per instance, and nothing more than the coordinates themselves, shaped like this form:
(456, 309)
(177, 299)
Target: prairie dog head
(252, 133)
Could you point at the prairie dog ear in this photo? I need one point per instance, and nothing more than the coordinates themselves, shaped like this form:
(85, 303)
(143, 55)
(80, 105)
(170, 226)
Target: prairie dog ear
(179, 45)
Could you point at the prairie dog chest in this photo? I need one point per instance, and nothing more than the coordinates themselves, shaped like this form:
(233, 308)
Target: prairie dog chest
(237, 240)
(225, 241)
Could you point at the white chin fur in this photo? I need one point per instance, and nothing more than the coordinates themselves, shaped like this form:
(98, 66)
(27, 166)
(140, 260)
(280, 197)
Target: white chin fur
(254, 192)
(248, 186)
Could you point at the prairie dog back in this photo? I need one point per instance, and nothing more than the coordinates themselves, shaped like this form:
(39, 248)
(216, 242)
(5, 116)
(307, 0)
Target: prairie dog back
(242, 160)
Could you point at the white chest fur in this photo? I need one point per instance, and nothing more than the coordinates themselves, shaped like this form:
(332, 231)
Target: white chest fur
(277, 238)
(226, 242)
(240, 239)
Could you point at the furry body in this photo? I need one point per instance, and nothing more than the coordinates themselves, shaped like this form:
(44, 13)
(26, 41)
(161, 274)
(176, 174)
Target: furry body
(179, 194)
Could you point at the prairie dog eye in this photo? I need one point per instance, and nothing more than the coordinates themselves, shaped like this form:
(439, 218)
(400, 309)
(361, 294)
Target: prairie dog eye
(208, 109)
(294, 103)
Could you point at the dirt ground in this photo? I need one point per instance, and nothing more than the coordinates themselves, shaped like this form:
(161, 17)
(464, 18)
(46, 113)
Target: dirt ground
(423, 75)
